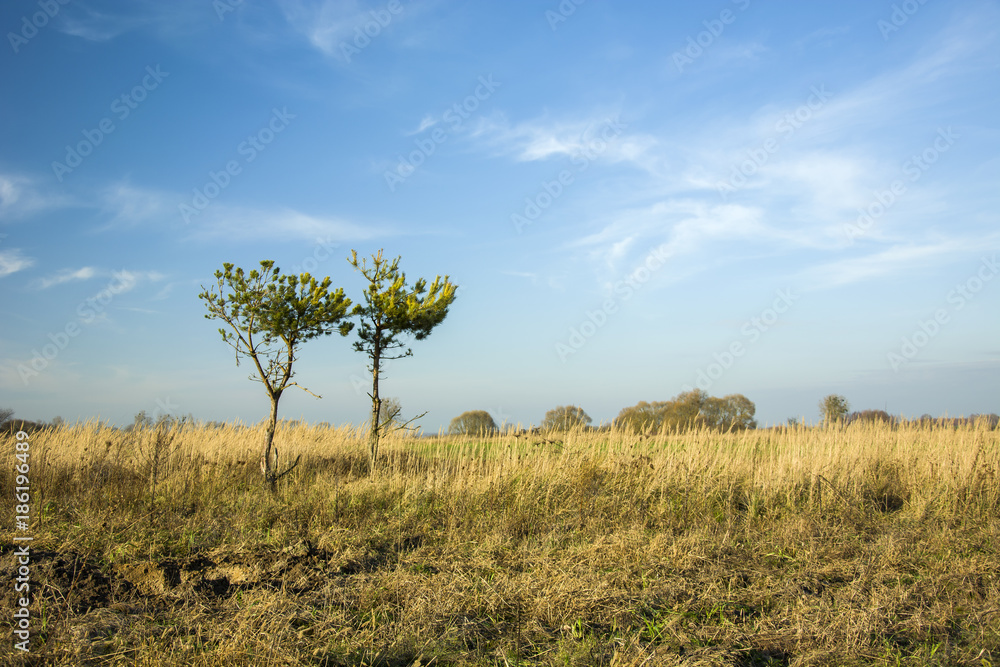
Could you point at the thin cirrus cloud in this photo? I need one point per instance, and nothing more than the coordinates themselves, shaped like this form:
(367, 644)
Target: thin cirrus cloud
(605, 135)
(685, 226)
(247, 224)
(65, 276)
(426, 122)
(328, 25)
(95, 26)
(124, 205)
(171, 20)
(807, 190)
(961, 49)
(895, 260)
(12, 261)
(850, 115)
(125, 280)
(22, 196)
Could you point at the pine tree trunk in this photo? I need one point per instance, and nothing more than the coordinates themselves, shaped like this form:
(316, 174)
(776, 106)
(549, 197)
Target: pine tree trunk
(376, 410)
(268, 463)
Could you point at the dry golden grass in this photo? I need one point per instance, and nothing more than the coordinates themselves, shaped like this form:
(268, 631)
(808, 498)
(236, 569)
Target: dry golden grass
(864, 545)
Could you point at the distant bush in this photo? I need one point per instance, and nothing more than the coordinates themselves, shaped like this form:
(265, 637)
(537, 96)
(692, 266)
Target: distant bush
(992, 421)
(12, 426)
(565, 418)
(693, 409)
(870, 417)
(473, 422)
(833, 408)
(9, 425)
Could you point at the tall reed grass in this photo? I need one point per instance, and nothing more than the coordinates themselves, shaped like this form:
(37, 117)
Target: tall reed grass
(852, 545)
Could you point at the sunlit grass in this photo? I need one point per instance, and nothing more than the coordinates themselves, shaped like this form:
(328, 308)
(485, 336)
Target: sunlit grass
(859, 545)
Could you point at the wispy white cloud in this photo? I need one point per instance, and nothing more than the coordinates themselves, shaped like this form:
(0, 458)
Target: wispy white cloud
(331, 26)
(125, 205)
(603, 135)
(276, 224)
(683, 225)
(889, 98)
(124, 280)
(12, 261)
(181, 17)
(133, 309)
(822, 38)
(165, 291)
(22, 196)
(65, 276)
(426, 122)
(9, 192)
(521, 274)
(899, 259)
(729, 56)
(122, 205)
(817, 174)
(95, 26)
(325, 24)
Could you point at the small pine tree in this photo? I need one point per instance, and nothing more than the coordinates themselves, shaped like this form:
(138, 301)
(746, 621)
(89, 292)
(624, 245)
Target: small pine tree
(270, 316)
(391, 311)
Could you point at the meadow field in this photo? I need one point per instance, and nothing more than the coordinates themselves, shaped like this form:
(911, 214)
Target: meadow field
(867, 544)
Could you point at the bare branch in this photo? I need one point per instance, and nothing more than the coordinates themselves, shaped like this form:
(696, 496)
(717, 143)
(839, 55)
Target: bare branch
(406, 424)
(296, 384)
(289, 469)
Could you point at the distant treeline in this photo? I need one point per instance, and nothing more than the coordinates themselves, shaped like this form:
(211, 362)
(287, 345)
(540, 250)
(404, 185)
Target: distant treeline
(881, 416)
(691, 410)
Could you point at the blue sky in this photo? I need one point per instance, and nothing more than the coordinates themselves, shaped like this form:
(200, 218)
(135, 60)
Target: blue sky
(783, 200)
